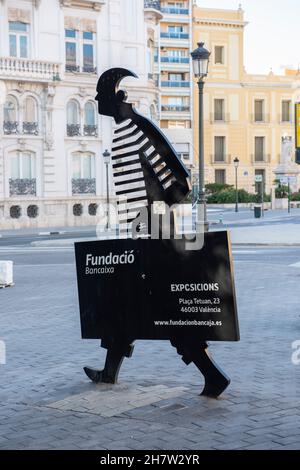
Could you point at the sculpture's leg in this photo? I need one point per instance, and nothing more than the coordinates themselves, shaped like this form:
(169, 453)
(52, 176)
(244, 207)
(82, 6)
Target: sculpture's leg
(114, 358)
(216, 381)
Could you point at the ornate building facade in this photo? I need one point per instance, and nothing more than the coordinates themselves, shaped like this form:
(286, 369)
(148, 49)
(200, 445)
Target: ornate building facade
(51, 136)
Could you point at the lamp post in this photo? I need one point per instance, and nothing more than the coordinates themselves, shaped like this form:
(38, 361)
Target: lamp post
(236, 163)
(200, 58)
(106, 159)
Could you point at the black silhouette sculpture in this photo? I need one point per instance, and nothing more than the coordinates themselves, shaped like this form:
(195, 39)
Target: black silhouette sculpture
(146, 169)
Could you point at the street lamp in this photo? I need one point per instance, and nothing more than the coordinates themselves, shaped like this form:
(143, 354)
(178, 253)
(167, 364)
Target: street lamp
(200, 58)
(236, 163)
(106, 159)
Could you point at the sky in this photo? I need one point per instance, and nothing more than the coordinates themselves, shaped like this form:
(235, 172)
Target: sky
(272, 39)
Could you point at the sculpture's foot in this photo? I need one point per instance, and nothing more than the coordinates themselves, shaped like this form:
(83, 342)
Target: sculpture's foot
(114, 358)
(216, 381)
(97, 376)
(214, 388)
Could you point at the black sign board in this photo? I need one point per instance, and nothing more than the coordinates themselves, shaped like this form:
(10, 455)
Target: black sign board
(156, 289)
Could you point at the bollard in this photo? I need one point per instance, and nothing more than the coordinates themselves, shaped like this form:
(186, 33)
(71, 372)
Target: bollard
(6, 273)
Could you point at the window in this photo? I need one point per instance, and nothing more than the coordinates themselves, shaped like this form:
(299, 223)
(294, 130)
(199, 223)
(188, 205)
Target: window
(175, 29)
(88, 52)
(90, 125)
(219, 149)
(83, 166)
(176, 125)
(183, 151)
(71, 50)
(18, 39)
(80, 51)
(259, 110)
(22, 166)
(219, 110)
(219, 55)
(30, 120)
(83, 174)
(176, 53)
(11, 111)
(286, 111)
(73, 122)
(220, 176)
(176, 77)
(259, 149)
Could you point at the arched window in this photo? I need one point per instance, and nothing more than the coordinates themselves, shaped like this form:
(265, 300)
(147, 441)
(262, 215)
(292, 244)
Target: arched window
(83, 173)
(90, 125)
(30, 119)
(11, 118)
(73, 120)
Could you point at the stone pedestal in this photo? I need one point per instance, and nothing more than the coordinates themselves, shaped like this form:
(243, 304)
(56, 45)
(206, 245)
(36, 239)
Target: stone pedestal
(287, 167)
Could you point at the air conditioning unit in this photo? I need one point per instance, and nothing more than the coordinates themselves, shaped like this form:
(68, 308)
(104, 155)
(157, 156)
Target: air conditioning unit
(6, 273)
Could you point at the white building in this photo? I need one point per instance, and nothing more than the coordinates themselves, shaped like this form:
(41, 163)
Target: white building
(51, 136)
(174, 68)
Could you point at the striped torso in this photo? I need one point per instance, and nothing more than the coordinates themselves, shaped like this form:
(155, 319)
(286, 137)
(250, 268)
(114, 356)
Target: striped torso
(133, 157)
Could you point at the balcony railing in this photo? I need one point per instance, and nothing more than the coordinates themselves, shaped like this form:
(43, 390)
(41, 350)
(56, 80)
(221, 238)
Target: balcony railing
(175, 60)
(174, 35)
(220, 158)
(176, 108)
(175, 84)
(155, 4)
(175, 11)
(73, 130)
(84, 186)
(77, 69)
(30, 128)
(22, 187)
(90, 130)
(16, 68)
(10, 127)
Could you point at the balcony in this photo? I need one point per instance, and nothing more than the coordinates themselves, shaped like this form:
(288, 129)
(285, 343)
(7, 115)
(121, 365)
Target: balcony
(153, 4)
(175, 84)
(27, 69)
(168, 35)
(90, 130)
(84, 186)
(175, 108)
(220, 159)
(73, 130)
(22, 187)
(10, 127)
(77, 69)
(175, 11)
(175, 60)
(30, 128)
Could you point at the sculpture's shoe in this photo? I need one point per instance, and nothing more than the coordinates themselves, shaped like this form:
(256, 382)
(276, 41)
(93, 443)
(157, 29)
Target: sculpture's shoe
(214, 388)
(93, 374)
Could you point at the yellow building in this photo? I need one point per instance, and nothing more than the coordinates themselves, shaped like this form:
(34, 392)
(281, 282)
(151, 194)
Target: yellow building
(246, 116)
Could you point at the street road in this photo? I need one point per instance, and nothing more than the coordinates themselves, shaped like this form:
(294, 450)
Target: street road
(47, 402)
